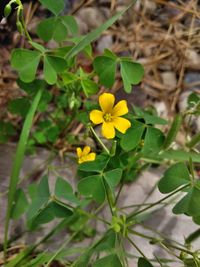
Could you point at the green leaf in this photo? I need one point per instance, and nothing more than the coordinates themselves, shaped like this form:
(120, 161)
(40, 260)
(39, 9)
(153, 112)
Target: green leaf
(109, 53)
(149, 118)
(45, 29)
(59, 64)
(55, 7)
(69, 77)
(38, 47)
(92, 36)
(92, 186)
(18, 160)
(52, 66)
(194, 204)
(179, 155)
(107, 243)
(108, 261)
(19, 106)
(64, 190)
(97, 165)
(60, 32)
(153, 141)
(182, 206)
(56, 28)
(21, 204)
(40, 199)
(193, 100)
(196, 219)
(174, 177)
(133, 136)
(89, 87)
(52, 133)
(105, 67)
(6, 130)
(40, 137)
(142, 262)
(26, 63)
(131, 73)
(113, 177)
(61, 211)
(190, 203)
(71, 24)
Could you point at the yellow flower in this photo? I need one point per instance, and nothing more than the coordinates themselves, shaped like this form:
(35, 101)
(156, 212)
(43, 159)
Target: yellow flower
(85, 155)
(110, 115)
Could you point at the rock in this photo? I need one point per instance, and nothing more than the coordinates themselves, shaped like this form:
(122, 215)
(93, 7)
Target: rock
(91, 17)
(104, 42)
(161, 109)
(169, 79)
(192, 57)
(192, 77)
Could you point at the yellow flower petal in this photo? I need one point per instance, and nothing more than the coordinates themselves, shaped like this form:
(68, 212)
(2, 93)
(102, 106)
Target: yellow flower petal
(121, 124)
(96, 116)
(86, 151)
(106, 102)
(120, 108)
(79, 152)
(91, 157)
(108, 130)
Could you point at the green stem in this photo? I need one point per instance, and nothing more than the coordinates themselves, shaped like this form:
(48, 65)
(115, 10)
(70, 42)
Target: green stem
(157, 202)
(136, 247)
(194, 141)
(60, 249)
(109, 197)
(159, 241)
(19, 157)
(89, 215)
(99, 140)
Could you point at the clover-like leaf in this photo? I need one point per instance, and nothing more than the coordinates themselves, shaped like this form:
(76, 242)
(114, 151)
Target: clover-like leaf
(108, 261)
(174, 177)
(64, 190)
(97, 165)
(56, 28)
(190, 203)
(89, 87)
(133, 136)
(142, 262)
(26, 63)
(105, 67)
(92, 186)
(40, 199)
(21, 204)
(52, 66)
(113, 177)
(153, 141)
(55, 7)
(131, 73)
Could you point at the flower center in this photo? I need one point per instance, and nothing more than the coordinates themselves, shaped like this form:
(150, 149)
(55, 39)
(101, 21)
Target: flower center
(107, 117)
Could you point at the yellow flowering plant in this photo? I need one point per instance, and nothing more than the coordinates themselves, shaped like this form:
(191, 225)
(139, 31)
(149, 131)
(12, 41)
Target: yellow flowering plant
(110, 115)
(67, 109)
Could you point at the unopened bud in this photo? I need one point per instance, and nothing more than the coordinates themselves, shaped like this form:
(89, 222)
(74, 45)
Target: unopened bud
(7, 10)
(19, 26)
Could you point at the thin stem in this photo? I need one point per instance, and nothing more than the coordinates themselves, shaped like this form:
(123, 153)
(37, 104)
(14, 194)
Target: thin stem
(99, 140)
(136, 247)
(109, 198)
(90, 215)
(61, 248)
(157, 202)
(158, 241)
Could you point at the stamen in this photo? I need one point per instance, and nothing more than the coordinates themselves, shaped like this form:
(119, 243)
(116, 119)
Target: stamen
(107, 117)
